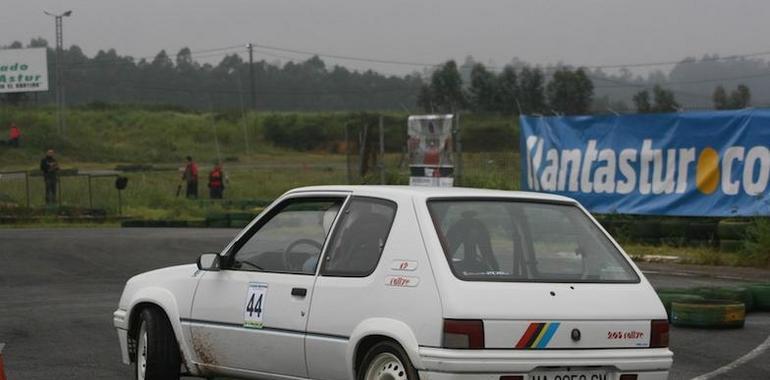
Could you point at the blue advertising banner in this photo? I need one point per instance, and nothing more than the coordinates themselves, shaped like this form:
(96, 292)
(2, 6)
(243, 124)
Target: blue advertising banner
(713, 163)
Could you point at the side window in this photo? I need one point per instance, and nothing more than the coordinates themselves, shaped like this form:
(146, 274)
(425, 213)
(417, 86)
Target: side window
(292, 238)
(357, 244)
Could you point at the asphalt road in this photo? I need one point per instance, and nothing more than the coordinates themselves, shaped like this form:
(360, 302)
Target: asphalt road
(59, 287)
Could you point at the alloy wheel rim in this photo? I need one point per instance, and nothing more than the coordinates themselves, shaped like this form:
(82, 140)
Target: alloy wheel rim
(141, 354)
(386, 366)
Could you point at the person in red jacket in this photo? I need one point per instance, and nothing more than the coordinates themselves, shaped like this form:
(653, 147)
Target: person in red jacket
(216, 182)
(190, 176)
(14, 134)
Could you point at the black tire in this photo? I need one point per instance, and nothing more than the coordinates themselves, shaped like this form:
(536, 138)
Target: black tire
(383, 348)
(162, 358)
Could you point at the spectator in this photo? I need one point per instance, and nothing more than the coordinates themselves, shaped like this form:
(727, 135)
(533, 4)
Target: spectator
(50, 169)
(14, 134)
(216, 182)
(190, 176)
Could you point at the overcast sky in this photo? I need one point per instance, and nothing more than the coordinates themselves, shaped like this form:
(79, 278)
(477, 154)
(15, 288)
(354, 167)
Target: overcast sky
(584, 32)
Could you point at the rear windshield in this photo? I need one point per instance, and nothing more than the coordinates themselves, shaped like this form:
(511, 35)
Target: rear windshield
(503, 240)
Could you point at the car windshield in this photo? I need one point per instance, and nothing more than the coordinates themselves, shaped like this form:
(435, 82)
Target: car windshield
(506, 240)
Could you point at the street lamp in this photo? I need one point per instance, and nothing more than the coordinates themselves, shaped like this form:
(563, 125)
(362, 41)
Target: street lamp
(59, 67)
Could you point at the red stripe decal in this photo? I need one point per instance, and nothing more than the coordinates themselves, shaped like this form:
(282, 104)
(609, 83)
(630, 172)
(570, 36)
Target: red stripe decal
(528, 335)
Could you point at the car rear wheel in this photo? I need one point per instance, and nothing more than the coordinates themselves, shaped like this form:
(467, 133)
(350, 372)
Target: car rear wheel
(386, 361)
(157, 352)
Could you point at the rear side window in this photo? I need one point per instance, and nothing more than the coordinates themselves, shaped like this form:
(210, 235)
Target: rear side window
(500, 240)
(360, 237)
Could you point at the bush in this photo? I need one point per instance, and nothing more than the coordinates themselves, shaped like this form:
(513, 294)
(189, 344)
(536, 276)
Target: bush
(298, 132)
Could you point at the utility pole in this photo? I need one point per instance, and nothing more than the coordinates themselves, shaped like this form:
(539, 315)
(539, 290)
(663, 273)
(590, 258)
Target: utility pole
(59, 68)
(251, 75)
(243, 110)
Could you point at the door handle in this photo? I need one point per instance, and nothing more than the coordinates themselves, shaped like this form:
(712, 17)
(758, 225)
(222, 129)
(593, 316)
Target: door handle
(299, 292)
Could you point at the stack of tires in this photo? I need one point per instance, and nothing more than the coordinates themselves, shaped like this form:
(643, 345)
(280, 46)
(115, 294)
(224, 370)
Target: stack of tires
(714, 307)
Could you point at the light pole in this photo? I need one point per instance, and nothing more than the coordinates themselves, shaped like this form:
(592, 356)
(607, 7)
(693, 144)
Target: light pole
(59, 67)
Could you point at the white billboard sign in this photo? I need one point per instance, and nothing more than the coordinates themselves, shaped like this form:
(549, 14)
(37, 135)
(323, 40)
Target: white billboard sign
(23, 70)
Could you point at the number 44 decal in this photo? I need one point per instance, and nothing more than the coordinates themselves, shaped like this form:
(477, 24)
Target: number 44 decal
(256, 297)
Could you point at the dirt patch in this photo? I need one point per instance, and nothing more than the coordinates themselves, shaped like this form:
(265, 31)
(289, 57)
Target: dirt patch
(203, 347)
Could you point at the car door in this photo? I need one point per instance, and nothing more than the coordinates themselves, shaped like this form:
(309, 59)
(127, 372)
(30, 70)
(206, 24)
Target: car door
(346, 291)
(251, 315)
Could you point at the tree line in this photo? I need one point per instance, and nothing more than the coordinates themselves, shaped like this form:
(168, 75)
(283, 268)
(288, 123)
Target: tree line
(510, 92)
(180, 80)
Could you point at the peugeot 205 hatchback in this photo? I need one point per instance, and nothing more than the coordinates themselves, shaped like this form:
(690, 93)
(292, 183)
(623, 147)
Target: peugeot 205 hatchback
(369, 282)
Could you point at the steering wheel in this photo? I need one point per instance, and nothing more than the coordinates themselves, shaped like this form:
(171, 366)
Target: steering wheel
(289, 250)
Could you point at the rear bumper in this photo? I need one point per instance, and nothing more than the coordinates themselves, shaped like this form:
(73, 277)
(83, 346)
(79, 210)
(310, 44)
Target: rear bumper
(427, 375)
(647, 363)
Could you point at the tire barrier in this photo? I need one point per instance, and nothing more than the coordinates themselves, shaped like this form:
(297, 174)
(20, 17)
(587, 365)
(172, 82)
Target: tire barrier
(730, 245)
(668, 298)
(732, 229)
(761, 296)
(701, 232)
(704, 231)
(230, 220)
(708, 314)
(735, 293)
(140, 223)
(212, 220)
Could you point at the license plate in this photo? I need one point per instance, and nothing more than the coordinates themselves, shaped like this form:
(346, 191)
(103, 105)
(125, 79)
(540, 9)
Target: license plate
(576, 374)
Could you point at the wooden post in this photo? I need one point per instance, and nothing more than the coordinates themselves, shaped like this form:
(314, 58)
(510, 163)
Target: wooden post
(459, 154)
(382, 151)
(90, 196)
(362, 151)
(347, 153)
(26, 185)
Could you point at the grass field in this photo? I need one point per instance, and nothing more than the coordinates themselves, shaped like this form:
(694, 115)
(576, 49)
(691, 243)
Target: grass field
(152, 194)
(102, 139)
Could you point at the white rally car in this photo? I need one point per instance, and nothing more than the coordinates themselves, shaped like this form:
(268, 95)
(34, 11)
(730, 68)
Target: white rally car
(378, 282)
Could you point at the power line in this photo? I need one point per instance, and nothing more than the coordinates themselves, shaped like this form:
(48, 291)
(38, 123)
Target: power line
(141, 86)
(125, 60)
(425, 64)
(347, 57)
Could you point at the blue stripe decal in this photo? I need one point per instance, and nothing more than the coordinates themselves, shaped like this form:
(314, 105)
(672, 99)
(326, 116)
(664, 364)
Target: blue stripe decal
(552, 327)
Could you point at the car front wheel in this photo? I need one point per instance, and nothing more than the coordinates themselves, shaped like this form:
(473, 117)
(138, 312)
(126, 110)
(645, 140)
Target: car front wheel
(157, 352)
(386, 361)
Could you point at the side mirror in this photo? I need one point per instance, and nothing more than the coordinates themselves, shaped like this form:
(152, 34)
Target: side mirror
(208, 262)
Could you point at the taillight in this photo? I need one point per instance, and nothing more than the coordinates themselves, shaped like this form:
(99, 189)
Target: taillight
(463, 333)
(659, 336)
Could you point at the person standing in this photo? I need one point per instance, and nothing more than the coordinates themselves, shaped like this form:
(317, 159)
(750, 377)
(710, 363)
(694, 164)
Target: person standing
(50, 168)
(190, 176)
(216, 182)
(14, 134)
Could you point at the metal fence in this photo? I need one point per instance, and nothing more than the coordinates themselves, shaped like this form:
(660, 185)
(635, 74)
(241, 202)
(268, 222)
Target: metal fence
(75, 189)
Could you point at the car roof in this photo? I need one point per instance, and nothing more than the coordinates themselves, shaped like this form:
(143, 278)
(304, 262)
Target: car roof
(424, 192)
